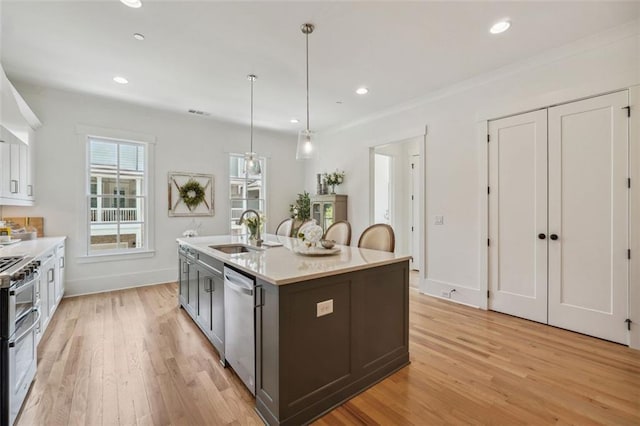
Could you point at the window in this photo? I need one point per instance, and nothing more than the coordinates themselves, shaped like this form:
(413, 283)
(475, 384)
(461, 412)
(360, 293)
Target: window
(245, 191)
(118, 181)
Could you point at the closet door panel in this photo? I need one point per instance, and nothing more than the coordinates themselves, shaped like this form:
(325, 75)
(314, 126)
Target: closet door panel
(518, 213)
(588, 210)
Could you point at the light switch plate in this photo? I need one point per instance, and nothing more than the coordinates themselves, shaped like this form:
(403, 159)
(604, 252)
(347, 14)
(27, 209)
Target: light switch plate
(439, 220)
(324, 308)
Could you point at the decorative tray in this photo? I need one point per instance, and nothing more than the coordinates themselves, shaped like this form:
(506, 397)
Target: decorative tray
(13, 241)
(315, 251)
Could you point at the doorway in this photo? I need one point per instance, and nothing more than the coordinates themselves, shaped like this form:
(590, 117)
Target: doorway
(397, 193)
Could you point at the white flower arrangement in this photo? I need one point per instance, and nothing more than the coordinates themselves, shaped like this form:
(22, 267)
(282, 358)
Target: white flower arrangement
(335, 178)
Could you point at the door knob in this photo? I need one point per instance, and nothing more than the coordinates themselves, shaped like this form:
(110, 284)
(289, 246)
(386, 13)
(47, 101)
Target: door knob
(542, 236)
(553, 237)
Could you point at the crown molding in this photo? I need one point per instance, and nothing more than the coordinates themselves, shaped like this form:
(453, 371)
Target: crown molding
(592, 42)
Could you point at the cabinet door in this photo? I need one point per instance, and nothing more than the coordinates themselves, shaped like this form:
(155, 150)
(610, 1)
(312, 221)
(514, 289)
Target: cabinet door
(14, 169)
(217, 314)
(183, 267)
(44, 300)
(51, 284)
(47, 267)
(5, 169)
(192, 298)
(328, 216)
(205, 288)
(60, 266)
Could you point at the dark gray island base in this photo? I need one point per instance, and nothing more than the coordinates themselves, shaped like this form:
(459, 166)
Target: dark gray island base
(308, 364)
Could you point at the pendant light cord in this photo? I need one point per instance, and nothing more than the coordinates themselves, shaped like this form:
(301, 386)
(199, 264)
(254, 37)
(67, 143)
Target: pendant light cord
(252, 79)
(307, 38)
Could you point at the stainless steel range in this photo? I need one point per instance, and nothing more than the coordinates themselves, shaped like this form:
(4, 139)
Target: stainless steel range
(19, 322)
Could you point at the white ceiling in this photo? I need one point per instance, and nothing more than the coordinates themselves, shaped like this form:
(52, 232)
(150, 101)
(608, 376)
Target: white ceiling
(197, 54)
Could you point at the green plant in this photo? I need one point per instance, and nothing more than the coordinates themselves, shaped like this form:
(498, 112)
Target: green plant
(252, 222)
(301, 208)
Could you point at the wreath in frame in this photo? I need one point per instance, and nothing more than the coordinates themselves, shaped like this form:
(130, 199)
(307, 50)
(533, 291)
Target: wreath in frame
(192, 194)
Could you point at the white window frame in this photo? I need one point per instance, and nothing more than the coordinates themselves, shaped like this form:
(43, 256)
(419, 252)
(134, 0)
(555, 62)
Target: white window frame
(264, 173)
(148, 250)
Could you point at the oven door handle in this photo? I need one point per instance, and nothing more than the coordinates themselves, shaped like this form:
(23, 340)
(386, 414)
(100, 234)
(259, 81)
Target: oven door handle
(14, 342)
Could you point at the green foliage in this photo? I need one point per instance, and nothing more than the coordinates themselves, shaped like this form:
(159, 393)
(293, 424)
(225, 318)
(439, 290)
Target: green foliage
(301, 208)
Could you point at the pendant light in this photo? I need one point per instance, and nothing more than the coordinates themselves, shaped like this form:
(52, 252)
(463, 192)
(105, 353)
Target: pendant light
(251, 160)
(306, 139)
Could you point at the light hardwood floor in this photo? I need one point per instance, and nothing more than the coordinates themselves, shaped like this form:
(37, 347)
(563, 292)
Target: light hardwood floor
(133, 357)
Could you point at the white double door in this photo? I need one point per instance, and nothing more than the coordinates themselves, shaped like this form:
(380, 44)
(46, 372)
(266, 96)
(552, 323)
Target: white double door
(558, 216)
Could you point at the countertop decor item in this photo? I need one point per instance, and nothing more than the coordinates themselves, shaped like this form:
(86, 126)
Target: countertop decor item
(306, 139)
(251, 160)
(190, 194)
(328, 244)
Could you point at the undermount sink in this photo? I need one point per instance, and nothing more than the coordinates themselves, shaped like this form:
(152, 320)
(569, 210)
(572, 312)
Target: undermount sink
(235, 248)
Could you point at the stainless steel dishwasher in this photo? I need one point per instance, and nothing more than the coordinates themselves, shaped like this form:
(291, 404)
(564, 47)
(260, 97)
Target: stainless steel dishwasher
(239, 331)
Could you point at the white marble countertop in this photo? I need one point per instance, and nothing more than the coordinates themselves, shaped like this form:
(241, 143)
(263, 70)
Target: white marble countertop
(281, 265)
(33, 248)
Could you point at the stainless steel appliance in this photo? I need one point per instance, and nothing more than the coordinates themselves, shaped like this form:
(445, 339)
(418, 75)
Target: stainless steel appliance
(19, 322)
(239, 331)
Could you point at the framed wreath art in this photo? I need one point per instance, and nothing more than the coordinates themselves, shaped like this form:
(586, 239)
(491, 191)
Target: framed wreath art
(190, 194)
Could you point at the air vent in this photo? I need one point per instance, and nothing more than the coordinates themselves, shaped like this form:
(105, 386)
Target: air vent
(198, 112)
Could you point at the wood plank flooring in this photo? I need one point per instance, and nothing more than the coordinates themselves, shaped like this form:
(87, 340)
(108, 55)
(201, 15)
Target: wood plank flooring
(133, 357)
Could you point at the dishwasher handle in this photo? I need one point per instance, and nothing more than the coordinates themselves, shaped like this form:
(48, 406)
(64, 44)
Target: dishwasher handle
(238, 287)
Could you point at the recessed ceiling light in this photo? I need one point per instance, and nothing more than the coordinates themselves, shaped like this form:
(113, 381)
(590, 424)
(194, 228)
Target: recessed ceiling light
(132, 3)
(362, 90)
(138, 36)
(500, 27)
(120, 80)
(294, 120)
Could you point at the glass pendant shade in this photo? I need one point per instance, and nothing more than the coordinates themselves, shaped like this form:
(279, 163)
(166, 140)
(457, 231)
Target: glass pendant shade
(252, 164)
(306, 149)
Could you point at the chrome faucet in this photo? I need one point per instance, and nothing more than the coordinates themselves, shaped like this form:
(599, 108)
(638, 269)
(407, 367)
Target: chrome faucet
(258, 239)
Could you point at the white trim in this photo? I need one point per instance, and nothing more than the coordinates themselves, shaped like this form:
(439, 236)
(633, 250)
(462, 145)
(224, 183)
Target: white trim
(483, 211)
(85, 132)
(634, 217)
(105, 283)
(116, 256)
(595, 41)
(110, 133)
(463, 295)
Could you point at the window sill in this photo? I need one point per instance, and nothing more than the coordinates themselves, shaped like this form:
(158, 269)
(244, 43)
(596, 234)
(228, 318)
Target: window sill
(118, 256)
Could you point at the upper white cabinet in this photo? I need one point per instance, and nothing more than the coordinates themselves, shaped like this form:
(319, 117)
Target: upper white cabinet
(17, 145)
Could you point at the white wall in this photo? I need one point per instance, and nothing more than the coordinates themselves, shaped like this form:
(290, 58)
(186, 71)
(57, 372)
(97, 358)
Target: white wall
(454, 184)
(183, 143)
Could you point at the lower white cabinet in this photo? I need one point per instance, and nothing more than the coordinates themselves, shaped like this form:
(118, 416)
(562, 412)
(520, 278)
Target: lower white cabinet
(47, 292)
(59, 272)
(51, 285)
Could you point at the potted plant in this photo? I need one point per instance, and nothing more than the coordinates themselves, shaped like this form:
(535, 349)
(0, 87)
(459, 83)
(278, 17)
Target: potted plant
(300, 211)
(334, 179)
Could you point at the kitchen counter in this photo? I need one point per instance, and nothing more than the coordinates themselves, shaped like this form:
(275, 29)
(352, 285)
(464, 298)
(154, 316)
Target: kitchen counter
(32, 248)
(280, 265)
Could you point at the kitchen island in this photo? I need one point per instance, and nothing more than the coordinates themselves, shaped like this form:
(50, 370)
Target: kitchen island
(326, 327)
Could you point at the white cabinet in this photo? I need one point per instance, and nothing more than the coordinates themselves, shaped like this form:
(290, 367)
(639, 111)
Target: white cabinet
(47, 291)
(17, 142)
(16, 174)
(59, 272)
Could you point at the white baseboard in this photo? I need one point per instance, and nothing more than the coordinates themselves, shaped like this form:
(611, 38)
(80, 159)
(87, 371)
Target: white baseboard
(106, 283)
(463, 295)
